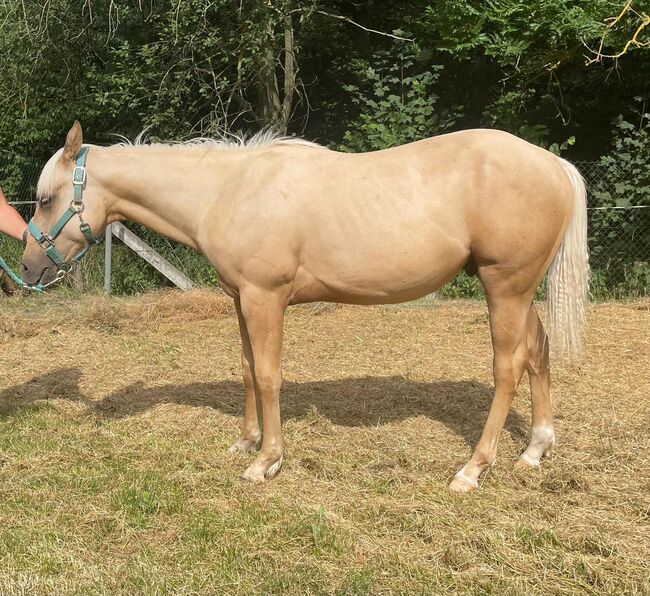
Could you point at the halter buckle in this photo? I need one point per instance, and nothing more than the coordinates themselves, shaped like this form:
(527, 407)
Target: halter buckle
(45, 240)
(79, 176)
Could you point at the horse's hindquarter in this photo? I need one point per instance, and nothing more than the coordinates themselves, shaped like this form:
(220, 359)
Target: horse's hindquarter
(520, 212)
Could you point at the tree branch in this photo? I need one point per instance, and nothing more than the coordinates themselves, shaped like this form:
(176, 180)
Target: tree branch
(632, 42)
(346, 19)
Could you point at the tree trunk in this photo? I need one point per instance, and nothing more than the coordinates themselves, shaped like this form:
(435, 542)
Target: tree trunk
(289, 74)
(269, 93)
(275, 112)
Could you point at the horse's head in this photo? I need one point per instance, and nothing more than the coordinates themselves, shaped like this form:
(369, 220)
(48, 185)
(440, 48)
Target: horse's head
(70, 215)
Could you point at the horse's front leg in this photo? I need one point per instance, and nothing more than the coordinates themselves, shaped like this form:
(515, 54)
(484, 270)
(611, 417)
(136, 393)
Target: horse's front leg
(263, 315)
(249, 439)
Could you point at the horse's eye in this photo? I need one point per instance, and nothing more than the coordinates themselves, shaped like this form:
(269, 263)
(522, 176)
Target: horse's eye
(45, 201)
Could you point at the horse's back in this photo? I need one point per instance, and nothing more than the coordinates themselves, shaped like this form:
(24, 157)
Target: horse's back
(472, 185)
(391, 225)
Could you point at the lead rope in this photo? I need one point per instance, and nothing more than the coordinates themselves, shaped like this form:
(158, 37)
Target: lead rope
(14, 277)
(24, 286)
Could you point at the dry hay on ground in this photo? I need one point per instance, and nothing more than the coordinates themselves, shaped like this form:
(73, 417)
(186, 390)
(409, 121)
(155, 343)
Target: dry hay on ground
(115, 417)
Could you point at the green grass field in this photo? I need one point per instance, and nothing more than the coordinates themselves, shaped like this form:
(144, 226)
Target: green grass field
(116, 415)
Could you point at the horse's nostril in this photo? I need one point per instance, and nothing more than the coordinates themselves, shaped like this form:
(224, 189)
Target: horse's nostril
(24, 268)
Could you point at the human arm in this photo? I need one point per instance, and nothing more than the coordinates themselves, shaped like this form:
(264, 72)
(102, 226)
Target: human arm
(11, 222)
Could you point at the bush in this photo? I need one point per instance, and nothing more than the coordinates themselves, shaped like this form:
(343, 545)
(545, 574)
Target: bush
(396, 101)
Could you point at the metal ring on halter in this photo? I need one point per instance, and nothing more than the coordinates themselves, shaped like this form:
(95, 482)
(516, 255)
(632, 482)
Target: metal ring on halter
(41, 287)
(59, 276)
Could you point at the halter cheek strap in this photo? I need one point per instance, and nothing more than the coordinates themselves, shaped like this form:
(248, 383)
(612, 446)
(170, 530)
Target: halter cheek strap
(46, 239)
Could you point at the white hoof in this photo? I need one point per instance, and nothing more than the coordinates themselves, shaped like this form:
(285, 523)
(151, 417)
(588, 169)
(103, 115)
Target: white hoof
(274, 469)
(259, 470)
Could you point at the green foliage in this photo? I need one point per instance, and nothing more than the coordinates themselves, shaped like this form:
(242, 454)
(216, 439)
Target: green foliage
(132, 275)
(462, 286)
(396, 100)
(508, 30)
(193, 66)
(522, 65)
(11, 251)
(625, 183)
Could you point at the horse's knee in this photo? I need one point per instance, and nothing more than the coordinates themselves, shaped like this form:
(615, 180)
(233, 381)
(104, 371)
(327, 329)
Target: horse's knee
(268, 383)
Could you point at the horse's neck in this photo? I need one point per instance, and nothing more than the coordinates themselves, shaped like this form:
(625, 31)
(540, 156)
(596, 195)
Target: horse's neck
(166, 190)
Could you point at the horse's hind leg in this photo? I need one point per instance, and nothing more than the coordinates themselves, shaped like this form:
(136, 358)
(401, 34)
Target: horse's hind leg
(508, 316)
(543, 436)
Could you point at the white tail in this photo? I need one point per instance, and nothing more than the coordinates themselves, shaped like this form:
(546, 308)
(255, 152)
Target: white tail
(568, 277)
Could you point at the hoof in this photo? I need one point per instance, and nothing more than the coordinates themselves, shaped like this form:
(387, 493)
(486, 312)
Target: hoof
(462, 483)
(526, 463)
(243, 445)
(259, 471)
(539, 447)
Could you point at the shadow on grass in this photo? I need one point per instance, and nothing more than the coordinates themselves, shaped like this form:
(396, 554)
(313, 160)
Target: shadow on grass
(363, 401)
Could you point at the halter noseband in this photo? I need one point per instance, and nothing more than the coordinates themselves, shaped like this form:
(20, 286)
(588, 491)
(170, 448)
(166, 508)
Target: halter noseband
(46, 239)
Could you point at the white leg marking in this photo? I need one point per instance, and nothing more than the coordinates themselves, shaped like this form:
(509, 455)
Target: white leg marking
(541, 444)
(245, 445)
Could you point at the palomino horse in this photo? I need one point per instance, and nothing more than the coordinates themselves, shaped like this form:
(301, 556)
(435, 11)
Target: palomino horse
(285, 221)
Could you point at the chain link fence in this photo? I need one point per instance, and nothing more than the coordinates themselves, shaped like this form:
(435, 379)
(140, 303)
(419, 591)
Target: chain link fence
(619, 238)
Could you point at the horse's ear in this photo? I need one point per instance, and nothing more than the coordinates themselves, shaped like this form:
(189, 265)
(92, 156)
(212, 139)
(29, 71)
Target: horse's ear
(73, 141)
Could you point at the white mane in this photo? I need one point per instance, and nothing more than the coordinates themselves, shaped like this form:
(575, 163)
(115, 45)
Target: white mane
(265, 138)
(45, 186)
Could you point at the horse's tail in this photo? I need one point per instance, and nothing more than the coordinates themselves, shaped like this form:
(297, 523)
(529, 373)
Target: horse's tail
(568, 277)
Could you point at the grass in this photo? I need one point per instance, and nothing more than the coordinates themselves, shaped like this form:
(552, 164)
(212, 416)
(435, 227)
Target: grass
(116, 415)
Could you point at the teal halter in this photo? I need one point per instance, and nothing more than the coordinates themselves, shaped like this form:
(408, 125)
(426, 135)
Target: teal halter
(46, 240)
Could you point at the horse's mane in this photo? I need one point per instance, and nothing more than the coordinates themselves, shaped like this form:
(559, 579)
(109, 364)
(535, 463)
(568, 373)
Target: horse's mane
(230, 141)
(45, 186)
(261, 139)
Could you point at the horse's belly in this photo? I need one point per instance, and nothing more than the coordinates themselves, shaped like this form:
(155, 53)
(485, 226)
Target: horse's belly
(384, 274)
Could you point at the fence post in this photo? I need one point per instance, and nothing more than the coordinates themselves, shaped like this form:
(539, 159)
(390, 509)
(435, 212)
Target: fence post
(108, 259)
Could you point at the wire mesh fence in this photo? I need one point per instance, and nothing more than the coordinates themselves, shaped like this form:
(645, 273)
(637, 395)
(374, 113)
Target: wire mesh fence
(18, 177)
(619, 233)
(619, 237)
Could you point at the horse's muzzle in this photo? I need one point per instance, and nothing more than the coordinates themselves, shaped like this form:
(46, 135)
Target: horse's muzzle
(38, 269)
